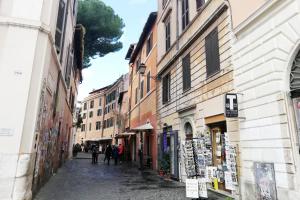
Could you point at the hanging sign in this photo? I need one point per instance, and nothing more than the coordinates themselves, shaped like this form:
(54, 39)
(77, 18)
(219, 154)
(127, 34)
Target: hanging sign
(192, 189)
(231, 105)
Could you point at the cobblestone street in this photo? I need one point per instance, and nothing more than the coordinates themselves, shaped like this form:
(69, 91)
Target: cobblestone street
(80, 180)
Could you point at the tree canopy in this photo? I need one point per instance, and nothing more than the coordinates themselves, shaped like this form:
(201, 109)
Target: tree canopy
(103, 27)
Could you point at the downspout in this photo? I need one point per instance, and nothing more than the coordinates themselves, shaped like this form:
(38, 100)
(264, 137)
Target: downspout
(130, 98)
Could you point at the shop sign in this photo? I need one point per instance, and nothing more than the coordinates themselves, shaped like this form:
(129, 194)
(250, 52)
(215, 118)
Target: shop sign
(231, 105)
(192, 189)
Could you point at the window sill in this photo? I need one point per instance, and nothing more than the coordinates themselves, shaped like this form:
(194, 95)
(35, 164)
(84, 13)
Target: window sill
(213, 76)
(186, 90)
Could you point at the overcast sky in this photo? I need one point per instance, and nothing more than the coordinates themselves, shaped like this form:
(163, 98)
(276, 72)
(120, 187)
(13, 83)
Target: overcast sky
(106, 70)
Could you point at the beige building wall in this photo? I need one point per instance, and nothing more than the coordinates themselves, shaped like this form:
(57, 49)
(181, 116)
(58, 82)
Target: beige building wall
(205, 99)
(91, 134)
(242, 10)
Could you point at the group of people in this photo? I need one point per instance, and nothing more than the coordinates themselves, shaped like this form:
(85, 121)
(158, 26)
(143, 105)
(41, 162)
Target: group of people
(115, 152)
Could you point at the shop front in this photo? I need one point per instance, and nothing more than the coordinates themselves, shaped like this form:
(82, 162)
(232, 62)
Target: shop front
(124, 139)
(209, 156)
(168, 152)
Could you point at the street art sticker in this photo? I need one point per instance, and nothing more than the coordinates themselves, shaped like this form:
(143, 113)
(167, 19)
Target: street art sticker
(265, 181)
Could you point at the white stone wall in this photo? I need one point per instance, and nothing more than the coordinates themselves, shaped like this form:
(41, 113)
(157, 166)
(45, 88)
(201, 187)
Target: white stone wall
(262, 55)
(27, 30)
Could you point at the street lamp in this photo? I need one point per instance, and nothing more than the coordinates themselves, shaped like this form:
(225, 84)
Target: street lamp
(142, 69)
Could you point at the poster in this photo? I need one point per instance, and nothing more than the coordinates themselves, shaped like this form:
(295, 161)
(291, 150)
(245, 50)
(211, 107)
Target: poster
(228, 181)
(265, 181)
(202, 188)
(211, 173)
(189, 160)
(192, 189)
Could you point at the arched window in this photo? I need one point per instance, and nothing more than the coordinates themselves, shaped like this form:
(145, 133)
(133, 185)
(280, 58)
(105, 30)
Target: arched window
(295, 77)
(188, 131)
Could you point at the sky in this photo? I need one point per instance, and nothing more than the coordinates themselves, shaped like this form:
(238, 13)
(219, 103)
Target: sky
(105, 70)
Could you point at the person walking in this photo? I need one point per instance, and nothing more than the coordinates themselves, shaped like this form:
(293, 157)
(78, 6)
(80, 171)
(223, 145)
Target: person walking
(94, 154)
(108, 152)
(115, 154)
(120, 152)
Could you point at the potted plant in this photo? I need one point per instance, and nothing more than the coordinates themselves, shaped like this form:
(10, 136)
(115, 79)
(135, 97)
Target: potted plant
(164, 164)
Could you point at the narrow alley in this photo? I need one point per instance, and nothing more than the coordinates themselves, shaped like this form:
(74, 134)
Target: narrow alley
(80, 180)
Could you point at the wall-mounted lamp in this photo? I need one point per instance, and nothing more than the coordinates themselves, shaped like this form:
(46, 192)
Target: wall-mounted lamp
(142, 70)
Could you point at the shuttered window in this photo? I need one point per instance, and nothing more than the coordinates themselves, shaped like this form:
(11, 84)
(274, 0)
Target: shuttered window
(136, 95)
(148, 82)
(166, 88)
(149, 44)
(200, 3)
(138, 62)
(142, 89)
(186, 73)
(185, 13)
(168, 33)
(60, 24)
(212, 53)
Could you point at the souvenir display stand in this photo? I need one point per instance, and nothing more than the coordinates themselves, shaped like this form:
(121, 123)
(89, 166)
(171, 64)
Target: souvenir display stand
(211, 160)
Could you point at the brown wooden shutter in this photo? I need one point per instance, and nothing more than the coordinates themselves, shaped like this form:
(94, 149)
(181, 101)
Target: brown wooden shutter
(186, 72)
(60, 24)
(212, 53)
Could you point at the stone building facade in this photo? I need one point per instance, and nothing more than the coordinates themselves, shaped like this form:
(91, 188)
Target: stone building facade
(195, 72)
(43, 85)
(266, 64)
(142, 94)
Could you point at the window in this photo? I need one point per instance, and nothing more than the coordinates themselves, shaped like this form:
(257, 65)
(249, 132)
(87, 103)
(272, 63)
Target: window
(90, 126)
(99, 112)
(82, 127)
(100, 101)
(149, 44)
(91, 114)
(185, 13)
(60, 25)
(98, 125)
(92, 104)
(142, 89)
(186, 73)
(148, 82)
(108, 109)
(136, 95)
(104, 124)
(200, 3)
(212, 53)
(112, 106)
(138, 62)
(84, 106)
(166, 88)
(69, 65)
(84, 116)
(168, 33)
(164, 2)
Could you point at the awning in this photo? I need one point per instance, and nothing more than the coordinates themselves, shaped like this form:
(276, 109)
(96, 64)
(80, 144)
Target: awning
(104, 138)
(144, 127)
(97, 139)
(123, 135)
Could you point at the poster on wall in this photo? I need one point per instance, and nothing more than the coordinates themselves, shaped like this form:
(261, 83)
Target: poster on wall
(265, 181)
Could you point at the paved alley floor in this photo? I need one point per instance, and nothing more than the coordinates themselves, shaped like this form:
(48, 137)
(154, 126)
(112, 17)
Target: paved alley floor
(80, 180)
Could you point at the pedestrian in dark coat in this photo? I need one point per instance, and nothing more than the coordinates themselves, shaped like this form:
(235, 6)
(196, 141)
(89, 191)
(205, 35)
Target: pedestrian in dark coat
(108, 152)
(94, 155)
(115, 154)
